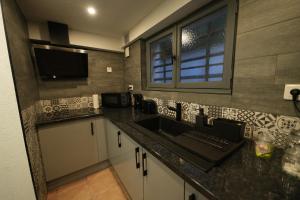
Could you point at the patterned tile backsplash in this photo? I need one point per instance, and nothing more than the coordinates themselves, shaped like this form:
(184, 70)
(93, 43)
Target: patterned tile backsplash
(29, 118)
(65, 104)
(278, 126)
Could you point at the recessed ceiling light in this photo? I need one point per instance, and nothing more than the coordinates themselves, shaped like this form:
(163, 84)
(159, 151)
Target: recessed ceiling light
(91, 10)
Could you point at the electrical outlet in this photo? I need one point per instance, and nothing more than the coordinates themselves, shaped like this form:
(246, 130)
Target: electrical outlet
(109, 69)
(130, 87)
(287, 91)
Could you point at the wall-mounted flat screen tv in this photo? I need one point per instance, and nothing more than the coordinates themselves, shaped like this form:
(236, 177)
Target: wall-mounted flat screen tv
(60, 64)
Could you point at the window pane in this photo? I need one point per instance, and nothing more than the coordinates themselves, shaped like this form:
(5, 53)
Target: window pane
(216, 59)
(161, 60)
(202, 49)
(217, 69)
(194, 63)
(192, 72)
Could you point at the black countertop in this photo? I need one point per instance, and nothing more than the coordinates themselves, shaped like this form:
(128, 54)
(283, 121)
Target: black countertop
(241, 176)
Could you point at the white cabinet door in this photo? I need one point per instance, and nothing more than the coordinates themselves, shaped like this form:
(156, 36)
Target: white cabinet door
(129, 167)
(100, 131)
(192, 194)
(160, 183)
(68, 147)
(114, 142)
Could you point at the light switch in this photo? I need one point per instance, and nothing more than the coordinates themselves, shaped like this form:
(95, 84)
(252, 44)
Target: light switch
(126, 52)
(109, 69)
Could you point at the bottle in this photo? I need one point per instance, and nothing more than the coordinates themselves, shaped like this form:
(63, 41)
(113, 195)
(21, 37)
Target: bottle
(291, 158)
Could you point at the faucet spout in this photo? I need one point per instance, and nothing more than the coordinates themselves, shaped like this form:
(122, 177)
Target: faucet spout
(177, 110)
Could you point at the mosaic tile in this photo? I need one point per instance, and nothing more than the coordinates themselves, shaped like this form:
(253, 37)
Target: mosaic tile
(90, 104)
(248, 131)
(62, 101)
(54, 102)
(264, 120)
(56, 108)
(286, 124)
(230, 113)
(47, 109)
(33, 149)
(84, 99)
(215, 111)
(246, 116)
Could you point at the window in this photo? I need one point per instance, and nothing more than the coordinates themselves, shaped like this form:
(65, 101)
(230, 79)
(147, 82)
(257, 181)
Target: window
(162, 60)
(196, 54)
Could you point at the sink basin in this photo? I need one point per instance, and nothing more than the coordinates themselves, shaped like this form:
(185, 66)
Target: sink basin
(212, 149)
(164, 126)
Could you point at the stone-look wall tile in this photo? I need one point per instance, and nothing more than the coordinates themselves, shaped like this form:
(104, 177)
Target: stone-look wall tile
(258, 14)
(132, 71)
(265, 60)
(288, 68)
(99, 80)
(277, 39)
(19, 50)
(259, 68)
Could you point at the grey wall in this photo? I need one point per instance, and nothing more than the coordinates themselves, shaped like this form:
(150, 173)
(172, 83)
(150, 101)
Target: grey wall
(17, 35)
(267, 57)
(26, 88)
(98, 81)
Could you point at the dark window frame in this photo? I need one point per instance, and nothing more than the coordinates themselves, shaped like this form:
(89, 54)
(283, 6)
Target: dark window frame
(222, 87)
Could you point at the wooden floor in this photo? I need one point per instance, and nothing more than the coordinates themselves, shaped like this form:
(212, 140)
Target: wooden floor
(99, 186)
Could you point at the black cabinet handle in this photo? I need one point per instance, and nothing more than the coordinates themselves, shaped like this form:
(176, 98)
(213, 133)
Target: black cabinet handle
(119, 139)
(145, 172)
(92, 128)
(137, 157)
(192, 197)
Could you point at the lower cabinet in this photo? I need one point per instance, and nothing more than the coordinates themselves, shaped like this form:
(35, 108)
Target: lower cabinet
(192, 194)
(160, 183)
(143, 176)
(125, 157)
(129, 167)
(71, 146)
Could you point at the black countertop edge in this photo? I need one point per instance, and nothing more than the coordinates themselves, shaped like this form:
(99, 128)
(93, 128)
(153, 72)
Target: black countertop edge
(44, 119)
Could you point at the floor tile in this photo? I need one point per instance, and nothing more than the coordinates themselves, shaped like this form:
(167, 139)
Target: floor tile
(77, 190)
(98, 186)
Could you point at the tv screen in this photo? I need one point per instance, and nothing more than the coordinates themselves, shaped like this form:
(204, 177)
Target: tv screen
(59, 64)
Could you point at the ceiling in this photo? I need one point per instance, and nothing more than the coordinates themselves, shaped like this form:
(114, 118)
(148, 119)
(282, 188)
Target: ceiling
(113, 18)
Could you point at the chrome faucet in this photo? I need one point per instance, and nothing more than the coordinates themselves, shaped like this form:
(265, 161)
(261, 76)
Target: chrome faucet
(177, 110)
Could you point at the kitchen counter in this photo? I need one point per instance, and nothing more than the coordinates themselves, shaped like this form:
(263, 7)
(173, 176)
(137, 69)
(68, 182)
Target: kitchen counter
(240, 176)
